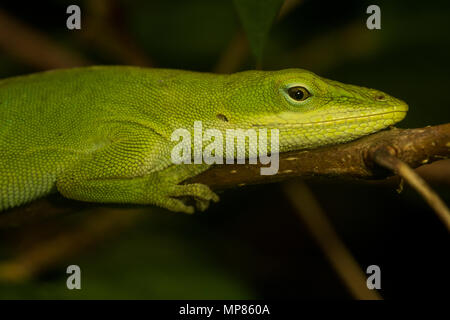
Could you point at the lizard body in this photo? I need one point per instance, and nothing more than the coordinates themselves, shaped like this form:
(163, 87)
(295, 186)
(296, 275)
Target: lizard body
(103, 134)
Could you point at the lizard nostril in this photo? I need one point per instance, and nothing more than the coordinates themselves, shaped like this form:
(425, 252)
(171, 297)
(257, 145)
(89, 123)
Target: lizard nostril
(380, 97)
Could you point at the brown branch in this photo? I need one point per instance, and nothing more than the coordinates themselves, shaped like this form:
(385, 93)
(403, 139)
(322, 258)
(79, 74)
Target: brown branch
(352, 160)
(357, 159)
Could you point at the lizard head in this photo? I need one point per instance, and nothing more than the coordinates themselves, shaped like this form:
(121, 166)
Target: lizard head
(308, 110)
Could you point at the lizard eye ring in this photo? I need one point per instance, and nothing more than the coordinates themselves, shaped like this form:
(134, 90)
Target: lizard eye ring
(298, 93)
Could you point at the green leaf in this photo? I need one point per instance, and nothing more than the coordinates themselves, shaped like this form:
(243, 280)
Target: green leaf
(257, 17)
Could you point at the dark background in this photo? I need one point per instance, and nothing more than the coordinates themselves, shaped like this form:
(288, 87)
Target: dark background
(253, 244)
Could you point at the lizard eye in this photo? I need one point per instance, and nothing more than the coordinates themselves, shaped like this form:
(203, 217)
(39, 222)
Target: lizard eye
(298, 93)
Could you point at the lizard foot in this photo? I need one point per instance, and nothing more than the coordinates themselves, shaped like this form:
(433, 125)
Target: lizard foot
(201, 193)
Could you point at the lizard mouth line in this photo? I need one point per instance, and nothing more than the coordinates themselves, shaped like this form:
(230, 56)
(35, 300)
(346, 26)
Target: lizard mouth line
(296, 124)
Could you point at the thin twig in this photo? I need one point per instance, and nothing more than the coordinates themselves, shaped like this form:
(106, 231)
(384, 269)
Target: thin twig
(386, 157)
(332, 246)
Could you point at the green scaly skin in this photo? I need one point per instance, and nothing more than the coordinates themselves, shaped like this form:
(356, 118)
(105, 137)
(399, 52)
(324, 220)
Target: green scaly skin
(102, 134)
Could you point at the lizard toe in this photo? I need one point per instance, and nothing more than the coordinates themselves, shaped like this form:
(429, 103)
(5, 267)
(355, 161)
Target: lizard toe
(201, 193)
(177, 205)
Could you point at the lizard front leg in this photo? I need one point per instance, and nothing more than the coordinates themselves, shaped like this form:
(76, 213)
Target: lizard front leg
(137, 172)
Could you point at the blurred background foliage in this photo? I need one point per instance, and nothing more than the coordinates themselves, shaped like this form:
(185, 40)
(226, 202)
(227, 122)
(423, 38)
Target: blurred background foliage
(252, 244)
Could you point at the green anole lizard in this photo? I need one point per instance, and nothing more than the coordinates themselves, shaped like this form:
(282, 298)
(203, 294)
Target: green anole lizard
(102, 134)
